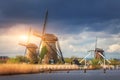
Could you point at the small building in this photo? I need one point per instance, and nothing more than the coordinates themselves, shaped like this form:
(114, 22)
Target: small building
(4, 58)
(75, 61)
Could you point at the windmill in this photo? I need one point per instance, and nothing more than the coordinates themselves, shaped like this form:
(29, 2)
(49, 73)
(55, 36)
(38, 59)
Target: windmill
(49, 47)
(31, 49)
(99, 54)
(98, 51)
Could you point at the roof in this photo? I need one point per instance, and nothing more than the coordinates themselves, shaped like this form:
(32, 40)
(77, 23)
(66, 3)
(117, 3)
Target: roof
(99, 50)
(49, 37)
(31, 45)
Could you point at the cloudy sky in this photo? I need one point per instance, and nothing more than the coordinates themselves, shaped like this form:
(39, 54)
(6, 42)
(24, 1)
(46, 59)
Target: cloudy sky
(77, 23)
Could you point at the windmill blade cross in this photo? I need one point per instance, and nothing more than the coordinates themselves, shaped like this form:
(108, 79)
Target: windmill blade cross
(29, 35)
(37, 34)
(28, 40)
(43, 31)
(61, 55)
(45, 21)
(104, 57)
(96, 43)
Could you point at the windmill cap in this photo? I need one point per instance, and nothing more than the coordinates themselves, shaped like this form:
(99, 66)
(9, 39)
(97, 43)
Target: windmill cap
(31, 45)
(99, 50)
(49, 37)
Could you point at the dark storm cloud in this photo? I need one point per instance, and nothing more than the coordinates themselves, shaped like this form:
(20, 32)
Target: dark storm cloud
(69, 12)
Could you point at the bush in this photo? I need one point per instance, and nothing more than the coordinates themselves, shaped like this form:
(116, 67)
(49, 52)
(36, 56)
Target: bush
(95, 61)
(115, 62)
(95, 64)
(22, 59)
(18, 59)
(68, 60)
(13, 60)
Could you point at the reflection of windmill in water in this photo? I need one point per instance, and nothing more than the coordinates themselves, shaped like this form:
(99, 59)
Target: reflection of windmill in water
(50, 51)
(31, 49)
(98, 51)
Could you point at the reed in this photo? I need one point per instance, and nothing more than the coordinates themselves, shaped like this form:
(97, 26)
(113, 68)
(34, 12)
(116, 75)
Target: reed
(9, 69)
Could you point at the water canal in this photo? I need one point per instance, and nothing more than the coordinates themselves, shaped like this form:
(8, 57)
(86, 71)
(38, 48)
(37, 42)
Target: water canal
(71, 75)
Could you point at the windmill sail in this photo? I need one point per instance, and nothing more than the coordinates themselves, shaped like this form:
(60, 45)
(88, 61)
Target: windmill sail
(61, 56)
(45, 21)
(96, 43)
(42, 53)
(29, 32)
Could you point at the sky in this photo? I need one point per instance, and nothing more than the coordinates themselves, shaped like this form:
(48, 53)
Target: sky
(76, 23)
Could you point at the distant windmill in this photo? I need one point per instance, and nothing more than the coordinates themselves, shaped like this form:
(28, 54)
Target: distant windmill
(49, 47)
(98, 55)
(30, 51)
(98, 51)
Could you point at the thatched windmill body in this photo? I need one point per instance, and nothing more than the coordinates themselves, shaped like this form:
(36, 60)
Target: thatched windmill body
(50, 51)
(31, 52)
